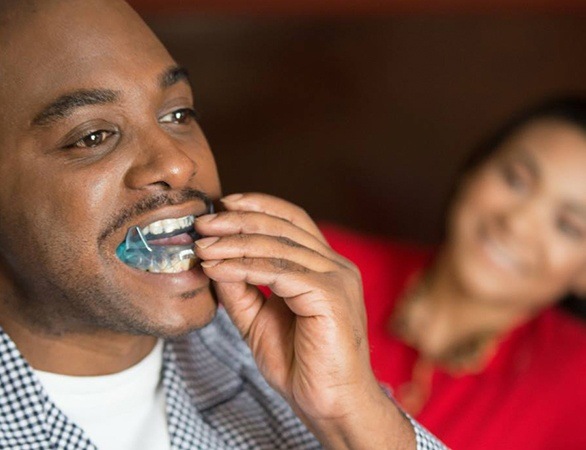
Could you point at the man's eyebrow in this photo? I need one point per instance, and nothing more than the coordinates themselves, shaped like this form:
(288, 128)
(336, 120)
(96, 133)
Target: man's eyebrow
(173, 75)
(67, 103)
(64, 105)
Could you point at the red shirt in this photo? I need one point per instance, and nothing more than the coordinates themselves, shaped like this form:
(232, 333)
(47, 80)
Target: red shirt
(532, 394)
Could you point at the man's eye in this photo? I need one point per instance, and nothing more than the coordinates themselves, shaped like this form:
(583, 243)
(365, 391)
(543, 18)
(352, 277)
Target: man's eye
(92, 139)
(180, 116)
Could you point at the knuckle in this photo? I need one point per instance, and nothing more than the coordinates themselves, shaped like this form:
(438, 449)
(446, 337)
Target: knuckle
(247, 261)
(287, 242)
(241, 237)
(241, 242)
(301, 212)
(279, 264)
(239, 219)
(334, 279)
(349, 278)
(353, 269)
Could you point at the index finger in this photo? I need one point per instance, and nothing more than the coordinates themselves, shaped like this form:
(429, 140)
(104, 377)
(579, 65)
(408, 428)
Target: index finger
(274, 206)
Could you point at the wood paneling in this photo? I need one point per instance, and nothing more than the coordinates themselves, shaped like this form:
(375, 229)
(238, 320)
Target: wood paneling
(346, 7)
(364, 121)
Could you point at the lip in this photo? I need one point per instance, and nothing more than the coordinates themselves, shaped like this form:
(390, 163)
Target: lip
(197, 208)
(170, 212)
(189, 280)
(193, 208)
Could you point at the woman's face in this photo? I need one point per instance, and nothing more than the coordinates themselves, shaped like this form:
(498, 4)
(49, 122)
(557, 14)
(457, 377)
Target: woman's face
(517, 229)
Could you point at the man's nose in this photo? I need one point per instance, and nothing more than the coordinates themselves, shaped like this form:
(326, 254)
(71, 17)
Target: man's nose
(161, 162)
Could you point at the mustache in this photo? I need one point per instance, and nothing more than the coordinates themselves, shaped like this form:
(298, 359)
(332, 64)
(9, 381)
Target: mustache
(150, 204)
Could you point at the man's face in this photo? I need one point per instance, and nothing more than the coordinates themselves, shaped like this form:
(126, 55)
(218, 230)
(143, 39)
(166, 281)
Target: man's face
(96, 136)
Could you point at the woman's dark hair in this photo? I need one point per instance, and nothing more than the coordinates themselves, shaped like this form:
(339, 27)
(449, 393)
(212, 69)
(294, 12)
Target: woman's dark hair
(570, 109)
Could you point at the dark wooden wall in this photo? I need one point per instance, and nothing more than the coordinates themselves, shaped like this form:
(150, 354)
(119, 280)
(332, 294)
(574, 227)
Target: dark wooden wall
(364, 120)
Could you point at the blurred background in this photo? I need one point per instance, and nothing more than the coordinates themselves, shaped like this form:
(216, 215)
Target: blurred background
(362, 110)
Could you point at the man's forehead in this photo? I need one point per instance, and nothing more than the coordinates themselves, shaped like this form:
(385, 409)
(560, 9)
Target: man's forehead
(14, 12)
(48, 17)
(11, 8)
(96, 47)
(41, 31)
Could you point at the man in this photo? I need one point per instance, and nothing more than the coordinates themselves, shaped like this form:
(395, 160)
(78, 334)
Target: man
(105, 177)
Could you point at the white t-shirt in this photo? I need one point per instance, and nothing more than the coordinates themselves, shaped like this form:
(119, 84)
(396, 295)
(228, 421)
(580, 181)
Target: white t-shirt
(122, 411)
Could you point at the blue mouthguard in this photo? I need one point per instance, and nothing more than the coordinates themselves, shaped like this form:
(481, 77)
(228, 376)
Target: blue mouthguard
(135, 251)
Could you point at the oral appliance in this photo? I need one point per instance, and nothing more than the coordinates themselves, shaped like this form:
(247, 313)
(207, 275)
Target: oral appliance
(145, 248)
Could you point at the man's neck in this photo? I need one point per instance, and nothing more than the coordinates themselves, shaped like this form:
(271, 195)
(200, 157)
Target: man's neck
(99, 353)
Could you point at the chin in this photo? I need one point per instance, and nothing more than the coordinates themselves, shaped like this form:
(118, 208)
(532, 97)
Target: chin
(189, 313)
(165, 315)
(169, 329)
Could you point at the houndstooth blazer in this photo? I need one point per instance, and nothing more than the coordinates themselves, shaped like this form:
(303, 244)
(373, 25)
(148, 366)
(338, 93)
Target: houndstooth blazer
(216, 399)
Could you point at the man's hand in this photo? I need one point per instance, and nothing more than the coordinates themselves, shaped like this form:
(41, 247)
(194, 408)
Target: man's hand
(309, 336)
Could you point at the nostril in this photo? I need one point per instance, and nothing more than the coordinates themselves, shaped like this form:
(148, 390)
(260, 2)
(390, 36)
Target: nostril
(162, 184)
(161, 166)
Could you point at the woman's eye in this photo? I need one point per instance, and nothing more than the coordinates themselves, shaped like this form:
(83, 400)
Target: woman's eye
(180, 116)
(92, 139)
(569, 228)
(514, 178)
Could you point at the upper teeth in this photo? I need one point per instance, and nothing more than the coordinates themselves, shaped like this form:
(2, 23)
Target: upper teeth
(168, 225)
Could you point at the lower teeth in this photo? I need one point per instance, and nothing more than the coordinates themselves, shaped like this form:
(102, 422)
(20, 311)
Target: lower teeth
(136, 252)
(174, 264)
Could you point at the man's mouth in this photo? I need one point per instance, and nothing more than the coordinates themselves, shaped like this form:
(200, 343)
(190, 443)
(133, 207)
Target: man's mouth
(164, 246)
(170, 231)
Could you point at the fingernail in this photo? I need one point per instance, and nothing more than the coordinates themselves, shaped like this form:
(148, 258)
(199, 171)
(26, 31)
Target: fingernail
(206, 242)
(211, 263)
(206, 218)
(232, 198)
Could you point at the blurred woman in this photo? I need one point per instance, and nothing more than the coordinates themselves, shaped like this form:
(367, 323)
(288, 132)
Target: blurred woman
(468, 336)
